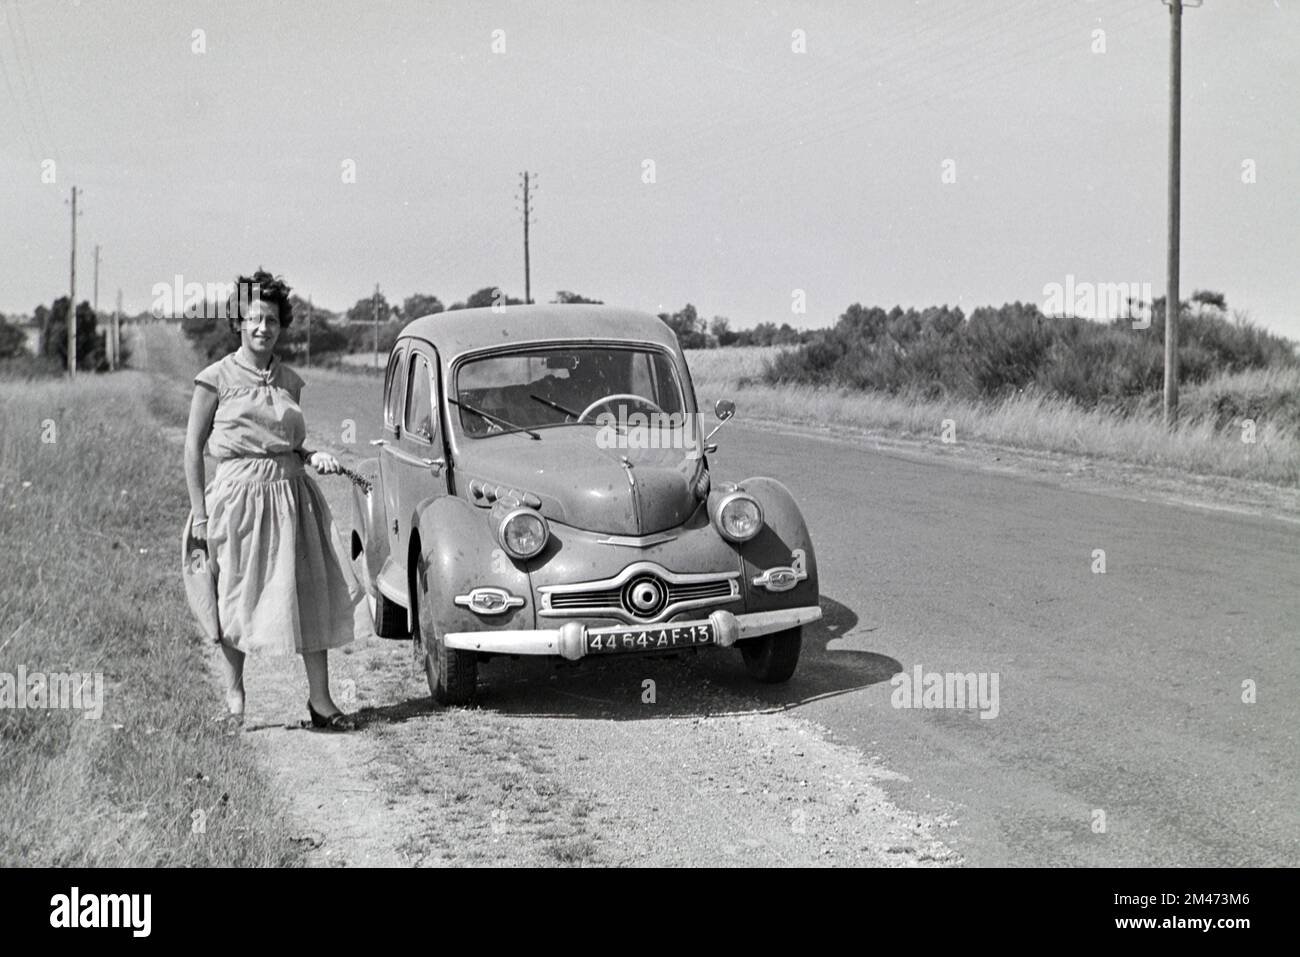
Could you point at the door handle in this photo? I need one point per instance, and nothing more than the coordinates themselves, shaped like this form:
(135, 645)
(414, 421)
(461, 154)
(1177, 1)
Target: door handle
(436, 464)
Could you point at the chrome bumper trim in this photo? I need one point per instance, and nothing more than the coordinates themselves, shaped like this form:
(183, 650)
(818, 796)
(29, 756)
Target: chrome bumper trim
(569, 640)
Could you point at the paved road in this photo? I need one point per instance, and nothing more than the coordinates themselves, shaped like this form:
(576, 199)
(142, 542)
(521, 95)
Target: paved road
(1119, 695)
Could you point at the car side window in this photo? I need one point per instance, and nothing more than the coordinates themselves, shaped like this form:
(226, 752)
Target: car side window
(393, 382)
(419, 399)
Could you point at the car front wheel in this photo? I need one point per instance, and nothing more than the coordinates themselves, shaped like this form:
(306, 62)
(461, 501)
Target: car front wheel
(772, 658)
(452, 674)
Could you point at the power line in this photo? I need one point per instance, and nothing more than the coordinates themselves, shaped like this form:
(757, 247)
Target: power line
(21, 32)
(845, 112)
(24, 68)
(13, 98)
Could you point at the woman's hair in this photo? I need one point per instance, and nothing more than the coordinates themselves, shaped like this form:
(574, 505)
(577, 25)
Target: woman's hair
(261, 285)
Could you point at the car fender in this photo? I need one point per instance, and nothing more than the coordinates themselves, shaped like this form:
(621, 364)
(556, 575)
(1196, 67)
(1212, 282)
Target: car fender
(783, 542)
(459, 553)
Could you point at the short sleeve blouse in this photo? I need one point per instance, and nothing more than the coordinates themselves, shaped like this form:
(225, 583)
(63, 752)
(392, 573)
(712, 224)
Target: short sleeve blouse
(257, 410)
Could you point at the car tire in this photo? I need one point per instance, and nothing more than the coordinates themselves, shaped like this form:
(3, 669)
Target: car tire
(772, 658)
(452, 674)
(389, 618)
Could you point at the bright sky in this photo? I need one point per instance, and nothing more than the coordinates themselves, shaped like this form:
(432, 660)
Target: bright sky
(774, 170)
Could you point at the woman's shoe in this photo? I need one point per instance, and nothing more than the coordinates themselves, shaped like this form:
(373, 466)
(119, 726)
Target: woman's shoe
(335, 722)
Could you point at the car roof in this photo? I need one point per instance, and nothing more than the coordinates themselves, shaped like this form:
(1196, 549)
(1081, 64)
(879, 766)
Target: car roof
(459, 331)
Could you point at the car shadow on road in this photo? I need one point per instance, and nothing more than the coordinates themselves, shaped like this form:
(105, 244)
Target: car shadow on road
(829, 664)
(711, 682)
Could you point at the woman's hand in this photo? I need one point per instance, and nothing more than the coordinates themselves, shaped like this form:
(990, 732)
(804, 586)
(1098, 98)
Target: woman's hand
(198, 533)
(324, 463)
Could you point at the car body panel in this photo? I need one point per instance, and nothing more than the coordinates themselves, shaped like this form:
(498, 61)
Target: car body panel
(575, 482)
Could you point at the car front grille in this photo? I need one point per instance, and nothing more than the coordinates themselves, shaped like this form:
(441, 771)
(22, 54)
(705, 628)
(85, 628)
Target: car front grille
(643, 592)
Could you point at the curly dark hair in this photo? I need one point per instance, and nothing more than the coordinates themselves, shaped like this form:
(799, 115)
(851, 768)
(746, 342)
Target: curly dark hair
(261, 285)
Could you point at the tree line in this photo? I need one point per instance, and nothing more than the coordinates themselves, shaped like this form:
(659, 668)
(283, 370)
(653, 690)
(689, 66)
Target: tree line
(940, 352)
(51, 354)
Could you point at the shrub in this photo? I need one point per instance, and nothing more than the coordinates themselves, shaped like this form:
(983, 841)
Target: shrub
(1001, 351)
(13, 341)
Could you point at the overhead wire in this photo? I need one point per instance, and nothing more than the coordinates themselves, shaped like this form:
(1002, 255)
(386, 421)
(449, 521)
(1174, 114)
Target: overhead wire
(36, 81)
(22, 68)
(794, 120)
(850, 117)
(740, 112)
(29, 142)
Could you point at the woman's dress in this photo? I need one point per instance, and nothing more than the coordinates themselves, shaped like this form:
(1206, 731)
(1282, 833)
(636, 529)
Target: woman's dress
(284, 580)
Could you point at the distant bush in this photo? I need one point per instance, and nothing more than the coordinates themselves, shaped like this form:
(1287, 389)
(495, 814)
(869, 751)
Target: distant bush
(938, 352)
(13, 341)
(213, 338)
(361, 336)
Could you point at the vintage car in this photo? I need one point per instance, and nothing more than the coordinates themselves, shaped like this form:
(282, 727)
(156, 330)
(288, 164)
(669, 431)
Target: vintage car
(542, 488)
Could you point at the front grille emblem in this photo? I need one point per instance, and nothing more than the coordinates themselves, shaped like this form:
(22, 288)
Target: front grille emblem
(645, 596)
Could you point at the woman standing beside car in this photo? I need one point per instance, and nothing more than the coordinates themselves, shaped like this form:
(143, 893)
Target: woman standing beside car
(283, 583)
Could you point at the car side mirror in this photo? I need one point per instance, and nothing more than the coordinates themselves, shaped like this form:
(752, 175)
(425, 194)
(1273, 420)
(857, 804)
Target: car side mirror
(725, 410)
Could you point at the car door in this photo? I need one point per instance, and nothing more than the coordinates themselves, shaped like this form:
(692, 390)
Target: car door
(418, 456)
(395, 384)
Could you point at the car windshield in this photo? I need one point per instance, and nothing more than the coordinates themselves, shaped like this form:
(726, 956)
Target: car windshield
(540, 387)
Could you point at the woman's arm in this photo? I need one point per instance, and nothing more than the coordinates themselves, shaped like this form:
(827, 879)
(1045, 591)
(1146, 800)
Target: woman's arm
(203, 407)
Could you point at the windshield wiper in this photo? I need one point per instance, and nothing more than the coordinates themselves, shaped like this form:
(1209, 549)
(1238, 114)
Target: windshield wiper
(489, 417)
(556, 406)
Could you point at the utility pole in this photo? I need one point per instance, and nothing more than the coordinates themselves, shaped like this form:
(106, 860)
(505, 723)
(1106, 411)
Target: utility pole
(72, 294)
(374, 305)
(309, 332)
(529, 184)
(95, 295)
(1175, 180)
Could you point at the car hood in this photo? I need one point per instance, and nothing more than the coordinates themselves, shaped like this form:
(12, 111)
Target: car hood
(570, 479)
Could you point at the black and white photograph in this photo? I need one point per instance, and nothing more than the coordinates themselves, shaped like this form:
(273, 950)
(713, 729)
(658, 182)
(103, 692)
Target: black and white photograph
(758, 434)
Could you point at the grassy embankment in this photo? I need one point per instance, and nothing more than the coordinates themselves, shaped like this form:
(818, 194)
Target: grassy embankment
(90, 582)
(1201, 444)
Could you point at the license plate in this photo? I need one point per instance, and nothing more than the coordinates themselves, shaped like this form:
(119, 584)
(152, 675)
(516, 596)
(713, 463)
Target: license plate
(661, 638)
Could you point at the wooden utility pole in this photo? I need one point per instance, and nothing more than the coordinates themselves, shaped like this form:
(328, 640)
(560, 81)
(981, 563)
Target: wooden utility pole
(94, 297)
(374, 306)
(309, 332)
(1172, 307)
(529, 186)
(72, 294)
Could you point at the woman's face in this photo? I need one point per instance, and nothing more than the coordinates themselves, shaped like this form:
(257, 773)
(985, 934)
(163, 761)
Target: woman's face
(261, 327)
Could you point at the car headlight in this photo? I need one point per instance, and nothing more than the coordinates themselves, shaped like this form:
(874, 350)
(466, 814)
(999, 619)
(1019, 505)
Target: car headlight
(523, 533)
(739, 517)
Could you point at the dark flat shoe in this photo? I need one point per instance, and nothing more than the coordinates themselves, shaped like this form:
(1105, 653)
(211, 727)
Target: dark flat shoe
(335, 722)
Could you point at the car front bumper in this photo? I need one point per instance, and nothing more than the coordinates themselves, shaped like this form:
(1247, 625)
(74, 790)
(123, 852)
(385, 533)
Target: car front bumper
(569, 640)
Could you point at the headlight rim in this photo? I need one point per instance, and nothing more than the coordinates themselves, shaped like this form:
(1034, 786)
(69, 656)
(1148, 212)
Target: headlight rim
(725, 501)
(510, 516)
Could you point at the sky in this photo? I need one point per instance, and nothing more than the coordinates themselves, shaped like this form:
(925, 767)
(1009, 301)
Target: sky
(768, 162)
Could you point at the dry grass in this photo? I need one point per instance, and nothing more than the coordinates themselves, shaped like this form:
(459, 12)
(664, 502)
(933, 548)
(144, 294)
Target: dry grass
(1199, 445)
(719, 372)
(89, 582)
